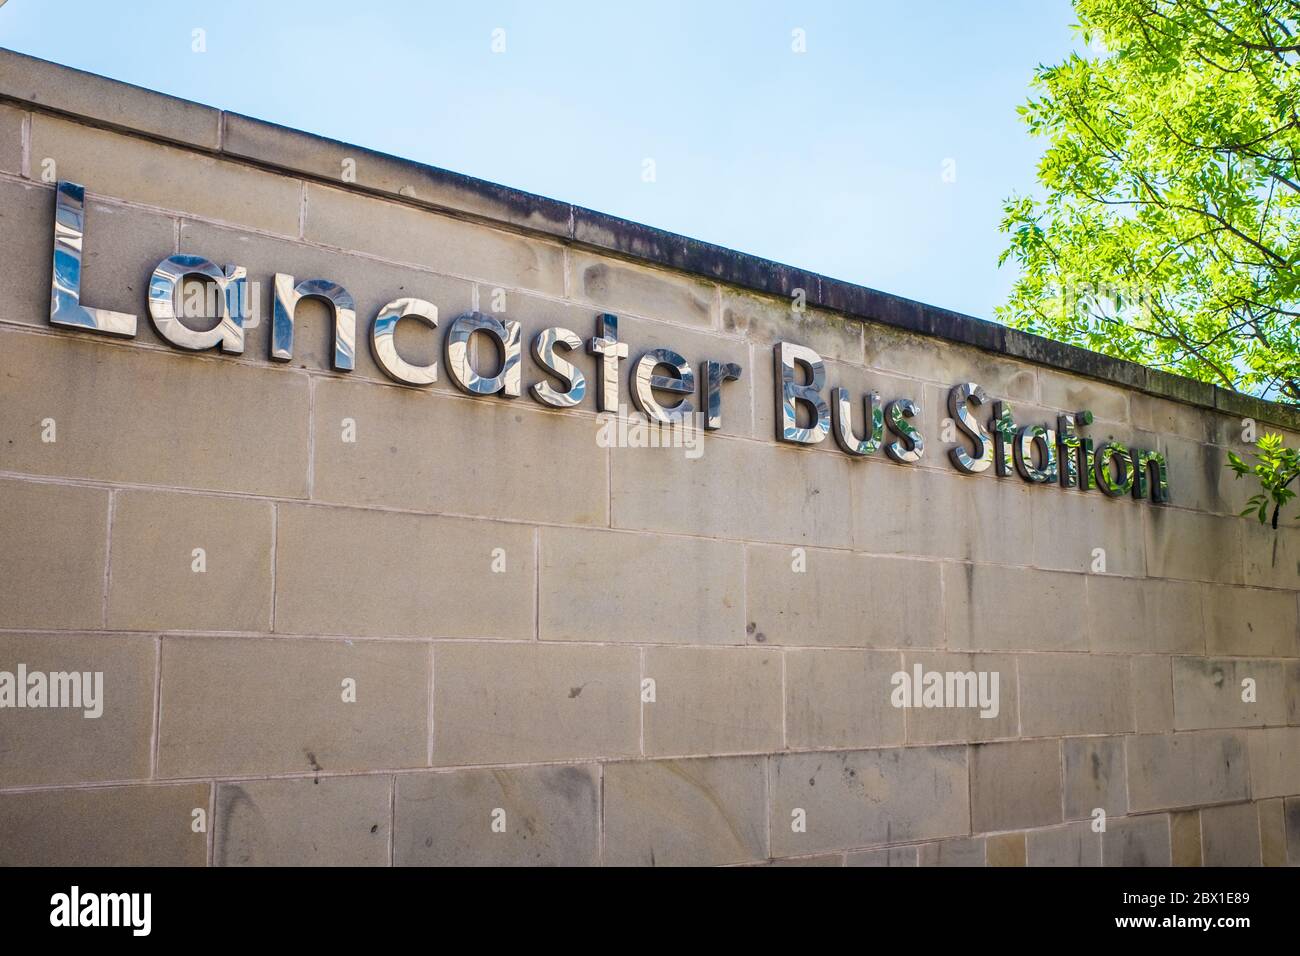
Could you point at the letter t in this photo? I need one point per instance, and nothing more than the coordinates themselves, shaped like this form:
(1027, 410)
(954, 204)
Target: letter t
(607, 345)
(1003, 426)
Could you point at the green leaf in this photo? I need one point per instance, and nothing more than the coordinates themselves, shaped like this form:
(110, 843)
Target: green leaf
(1276, 469)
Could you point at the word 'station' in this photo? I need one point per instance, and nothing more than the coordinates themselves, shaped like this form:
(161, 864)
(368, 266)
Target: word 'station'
(662, 383)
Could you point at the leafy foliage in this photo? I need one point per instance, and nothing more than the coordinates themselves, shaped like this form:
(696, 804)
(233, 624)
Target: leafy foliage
(1168, 230)
(1276, 467)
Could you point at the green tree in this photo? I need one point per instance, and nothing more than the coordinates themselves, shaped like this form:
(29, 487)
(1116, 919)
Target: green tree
(1167, 226)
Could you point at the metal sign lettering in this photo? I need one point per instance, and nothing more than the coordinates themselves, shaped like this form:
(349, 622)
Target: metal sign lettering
(806, 410)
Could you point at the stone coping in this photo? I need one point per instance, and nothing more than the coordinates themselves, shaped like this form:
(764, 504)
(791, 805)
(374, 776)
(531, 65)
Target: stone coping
(49, 87)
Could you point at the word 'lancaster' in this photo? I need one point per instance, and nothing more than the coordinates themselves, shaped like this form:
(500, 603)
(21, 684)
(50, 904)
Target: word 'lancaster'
(662, 383)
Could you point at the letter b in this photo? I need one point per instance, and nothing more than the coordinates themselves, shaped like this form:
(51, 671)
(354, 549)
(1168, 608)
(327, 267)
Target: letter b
(789, 394)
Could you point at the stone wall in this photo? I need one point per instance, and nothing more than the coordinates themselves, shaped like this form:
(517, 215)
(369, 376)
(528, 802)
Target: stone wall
(498, 587)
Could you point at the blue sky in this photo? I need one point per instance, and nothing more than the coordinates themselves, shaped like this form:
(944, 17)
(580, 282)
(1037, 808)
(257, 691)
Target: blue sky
(831, 159)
